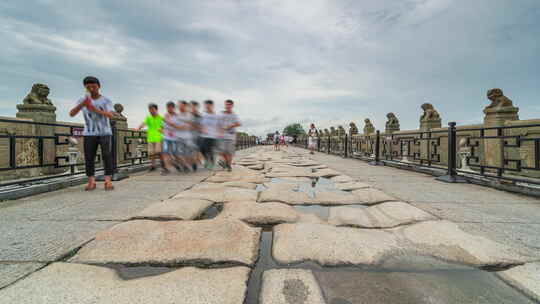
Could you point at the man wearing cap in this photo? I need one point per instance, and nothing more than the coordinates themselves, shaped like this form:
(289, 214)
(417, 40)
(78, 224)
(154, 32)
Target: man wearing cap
(97, 110)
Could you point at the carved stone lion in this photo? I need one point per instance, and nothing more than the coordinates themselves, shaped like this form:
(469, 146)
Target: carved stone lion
(393, 123)
(333, 131)
(340, 131)
(429, 113)
(118, 109)
(498, 100)
(353, 130)
(326, 132)
(368, 127)
(38, 95)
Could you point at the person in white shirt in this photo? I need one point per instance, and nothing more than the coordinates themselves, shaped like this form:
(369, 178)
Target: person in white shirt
(228, 122)
(209, 133)
(312, 138)
(184, 137)
(97, 111)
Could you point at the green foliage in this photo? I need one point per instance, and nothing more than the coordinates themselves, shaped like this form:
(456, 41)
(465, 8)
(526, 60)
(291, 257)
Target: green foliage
(295, 129)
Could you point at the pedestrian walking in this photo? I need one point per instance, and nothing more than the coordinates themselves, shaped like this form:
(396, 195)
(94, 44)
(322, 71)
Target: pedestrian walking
(153, 123)
(209, 133)
(312, 139)
(276, 141)
(228, 123)
(97, 111)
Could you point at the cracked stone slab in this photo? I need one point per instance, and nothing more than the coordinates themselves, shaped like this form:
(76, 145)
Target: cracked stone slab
(297, 172)
(525, 278)
(290, 286)
(175, 209)
(259, 214)
(65, 283)
(233, 184)
(288, 186)
(329, 245)
(445, 240)
(351, 186)
(310, 218)
(256, 167)
(335, 198)
(342, 179)
(296, 179)
(283, 196)
(370, 196)
(385, 215)
(173, 243)
(328, 173)
(219, 194)
(10, 273)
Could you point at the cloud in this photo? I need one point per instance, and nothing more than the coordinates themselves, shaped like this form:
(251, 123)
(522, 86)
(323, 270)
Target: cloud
(329, 62)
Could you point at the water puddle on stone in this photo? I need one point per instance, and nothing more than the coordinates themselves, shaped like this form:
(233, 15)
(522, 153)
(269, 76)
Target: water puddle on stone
(211, 212)
(403, 279)
(136, 272)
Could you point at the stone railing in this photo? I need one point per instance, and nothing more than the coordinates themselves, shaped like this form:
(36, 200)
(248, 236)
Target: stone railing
(503, 147)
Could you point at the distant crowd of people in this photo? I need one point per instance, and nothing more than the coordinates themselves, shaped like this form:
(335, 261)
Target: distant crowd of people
(181, 139)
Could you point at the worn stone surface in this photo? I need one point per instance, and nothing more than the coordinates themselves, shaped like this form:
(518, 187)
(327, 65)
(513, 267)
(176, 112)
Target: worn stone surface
(385, 215)
(258, 213)
(351, 186)
(289, 172)
(84, 284)
(219, 194)
(10, 273)
(287, 186)
(180, 209)
(173, 243)
(240, 195)
(342, 179)
(290, 286)
(326, 173)
(335, 198)
(446, 240)
(329, 245)
(310, 218)
(234, 184)
(283, 196)
(525, 278)
(371, 196)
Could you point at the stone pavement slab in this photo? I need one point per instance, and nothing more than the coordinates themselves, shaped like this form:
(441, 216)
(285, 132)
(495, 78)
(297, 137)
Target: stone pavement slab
(173, 243)
(332, 198)
(284, 196)
(525, 277)
(84, 284)
(370, 196)
(329, 245)
(351, 186)
(290, 286)
(259, 214)
(385, 215)
(342, 179)
(175, 209)
(10, 273)
(45, 241)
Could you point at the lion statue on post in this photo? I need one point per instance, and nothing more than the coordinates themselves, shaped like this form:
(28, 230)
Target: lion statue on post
(38, 95)
(498, 100)
(429, 113)
(353, 130)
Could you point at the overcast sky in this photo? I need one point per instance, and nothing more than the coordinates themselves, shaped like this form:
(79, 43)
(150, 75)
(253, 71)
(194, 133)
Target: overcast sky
(330, 62)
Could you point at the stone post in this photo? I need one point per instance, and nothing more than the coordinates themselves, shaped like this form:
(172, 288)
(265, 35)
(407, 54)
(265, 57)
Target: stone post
(500, 111)
(37, 107)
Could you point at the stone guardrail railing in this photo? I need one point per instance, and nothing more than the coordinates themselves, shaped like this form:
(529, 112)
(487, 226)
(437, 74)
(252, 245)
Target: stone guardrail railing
(503, 147)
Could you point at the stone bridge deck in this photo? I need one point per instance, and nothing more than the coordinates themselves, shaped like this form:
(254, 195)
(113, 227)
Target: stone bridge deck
(283, 227)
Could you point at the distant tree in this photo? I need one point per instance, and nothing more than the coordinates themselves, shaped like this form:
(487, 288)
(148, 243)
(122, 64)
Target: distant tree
(294, 130)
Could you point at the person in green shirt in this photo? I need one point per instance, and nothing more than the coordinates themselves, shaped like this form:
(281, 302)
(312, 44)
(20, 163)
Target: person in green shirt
(153, 123)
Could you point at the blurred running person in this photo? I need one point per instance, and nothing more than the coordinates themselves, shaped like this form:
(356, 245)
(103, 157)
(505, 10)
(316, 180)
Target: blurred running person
(97, 111)
(196, 133)
(185, 144)
(312, 139)
(209, 133)
(170, 129)
(153, 123)
(228, 123)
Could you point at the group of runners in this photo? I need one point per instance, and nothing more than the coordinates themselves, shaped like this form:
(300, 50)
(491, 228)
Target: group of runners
(182, 139)
(185, 137)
